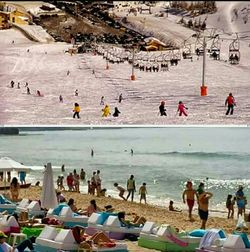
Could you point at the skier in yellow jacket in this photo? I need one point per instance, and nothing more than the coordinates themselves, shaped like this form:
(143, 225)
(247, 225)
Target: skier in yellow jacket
(76, 110)
(106, 111)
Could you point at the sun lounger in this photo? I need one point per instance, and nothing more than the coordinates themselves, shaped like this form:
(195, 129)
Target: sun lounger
(6, 205)
(111, 226)
(71, 219)
(165, 238)
(51, 241)
(9, 224)
(22, 205)
(34, 209)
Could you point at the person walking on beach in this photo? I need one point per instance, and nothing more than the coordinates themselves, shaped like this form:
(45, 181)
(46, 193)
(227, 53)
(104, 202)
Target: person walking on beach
(182, 109)
(98, 183)
(76, 110)
(230, 205)
(76, 181)
(116, 113)
(203, 201)
(162, 109)
(143, 192)
(131, 187)
(106, 111)
(230, 103)
(188, 197)
(240, 200)
(93, 182)
(70, 181)
(121, 191)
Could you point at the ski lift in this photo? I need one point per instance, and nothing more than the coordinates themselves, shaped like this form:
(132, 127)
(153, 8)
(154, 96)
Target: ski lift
(234, 51)
(187, 51)
(199, 47)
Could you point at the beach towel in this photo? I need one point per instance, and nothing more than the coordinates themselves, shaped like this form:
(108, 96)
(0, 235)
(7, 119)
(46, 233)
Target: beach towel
(3, 200)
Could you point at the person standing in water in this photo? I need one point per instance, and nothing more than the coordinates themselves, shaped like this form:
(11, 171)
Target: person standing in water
(188, 197)
(77, 111)
(131, 152)
(63, 168)
(230, 103)
(203, 200)
(92, 153)
(182, 109)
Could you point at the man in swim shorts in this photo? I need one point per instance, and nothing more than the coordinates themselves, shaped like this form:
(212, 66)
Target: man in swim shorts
(203, 201)
(188, 197)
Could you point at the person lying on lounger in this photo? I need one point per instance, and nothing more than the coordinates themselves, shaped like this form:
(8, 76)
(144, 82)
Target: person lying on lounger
(137, 222)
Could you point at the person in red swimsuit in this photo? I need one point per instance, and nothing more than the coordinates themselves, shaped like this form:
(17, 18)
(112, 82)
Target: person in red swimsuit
(189, 197)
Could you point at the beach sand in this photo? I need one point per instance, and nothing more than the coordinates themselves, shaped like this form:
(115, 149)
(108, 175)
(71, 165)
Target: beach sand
(157, 214)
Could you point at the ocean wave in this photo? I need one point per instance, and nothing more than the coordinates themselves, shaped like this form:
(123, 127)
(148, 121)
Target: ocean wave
(198, 154)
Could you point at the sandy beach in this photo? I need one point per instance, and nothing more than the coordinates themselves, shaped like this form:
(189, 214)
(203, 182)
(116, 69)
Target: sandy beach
(152, 213)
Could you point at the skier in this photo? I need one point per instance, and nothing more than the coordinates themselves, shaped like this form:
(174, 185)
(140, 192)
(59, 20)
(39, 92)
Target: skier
(76, 92)
(18, 85)
(102, 101)
(28, 90)
(106, 111)
(230, 103)
(120, 98)
(116, 113)
(68, 72)
(60, 98)
(76, 110)
(12, 83)
(181, 109)
(162, 109)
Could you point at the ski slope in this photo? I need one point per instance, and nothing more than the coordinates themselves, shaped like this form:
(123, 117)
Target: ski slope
(45, 68)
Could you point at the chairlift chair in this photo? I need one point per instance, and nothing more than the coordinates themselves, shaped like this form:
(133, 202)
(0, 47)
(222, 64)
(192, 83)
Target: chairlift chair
(234, 52)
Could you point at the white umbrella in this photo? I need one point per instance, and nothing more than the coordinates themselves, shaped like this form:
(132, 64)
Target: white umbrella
(8, 164)
(48, 197)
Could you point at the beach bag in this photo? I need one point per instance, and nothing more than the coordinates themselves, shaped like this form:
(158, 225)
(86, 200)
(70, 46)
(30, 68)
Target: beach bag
(23, 216)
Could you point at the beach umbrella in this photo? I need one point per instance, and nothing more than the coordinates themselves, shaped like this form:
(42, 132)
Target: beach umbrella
(8, 164)
(48, 197)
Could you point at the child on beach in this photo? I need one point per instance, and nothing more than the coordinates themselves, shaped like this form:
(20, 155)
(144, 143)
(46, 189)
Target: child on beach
(121, 190)
(106, 111)
(90, 189)
(189, 197)
(172, 208)
(182, 109)
(76, 110)
(143, 192)
(230, 205)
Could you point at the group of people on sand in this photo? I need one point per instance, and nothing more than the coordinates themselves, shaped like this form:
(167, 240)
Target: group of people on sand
(182, 109)
(202, 196)
(131, 189)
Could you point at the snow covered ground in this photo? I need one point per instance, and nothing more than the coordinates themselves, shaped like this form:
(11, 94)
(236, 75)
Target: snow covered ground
(47, 72)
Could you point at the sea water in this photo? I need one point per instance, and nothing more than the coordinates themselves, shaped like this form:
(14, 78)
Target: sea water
(164, 158)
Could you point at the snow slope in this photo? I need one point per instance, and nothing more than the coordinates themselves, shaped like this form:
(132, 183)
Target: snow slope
(48, 73)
